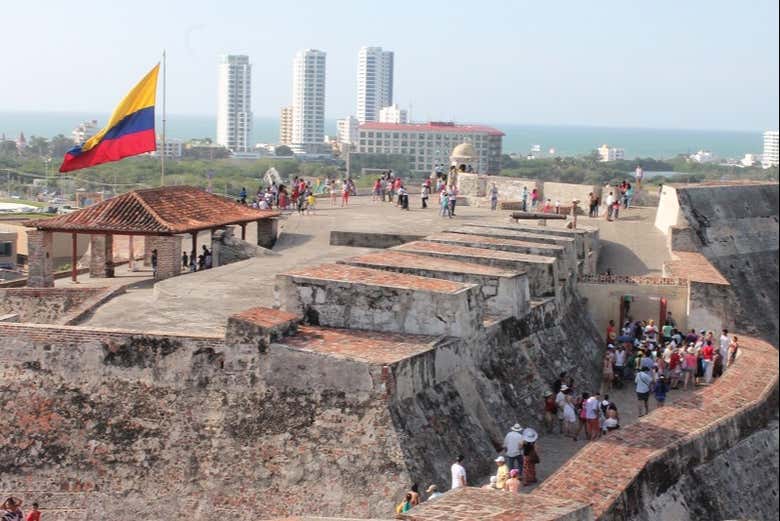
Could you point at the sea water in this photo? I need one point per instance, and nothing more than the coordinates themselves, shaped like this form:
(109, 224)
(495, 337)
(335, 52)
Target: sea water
(519, 138)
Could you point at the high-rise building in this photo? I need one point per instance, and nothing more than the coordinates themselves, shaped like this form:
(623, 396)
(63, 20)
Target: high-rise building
(393, 114)
(285, 126)
(771, 156)
(375, 82)
(308, 106)
(234, 103)
(429, 144)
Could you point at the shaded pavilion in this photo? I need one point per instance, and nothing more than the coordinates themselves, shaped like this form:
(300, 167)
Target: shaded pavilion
(161, 215)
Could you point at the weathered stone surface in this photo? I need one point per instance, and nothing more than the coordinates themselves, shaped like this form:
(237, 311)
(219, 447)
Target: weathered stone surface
(740, 483)
(227, 248)
(736, 227)
(46, 305)
(370, 239)
(338, 295)
(504, 292)
(542, 271)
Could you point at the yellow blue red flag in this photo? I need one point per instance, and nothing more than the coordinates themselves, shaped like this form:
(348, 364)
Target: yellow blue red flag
(129, 132)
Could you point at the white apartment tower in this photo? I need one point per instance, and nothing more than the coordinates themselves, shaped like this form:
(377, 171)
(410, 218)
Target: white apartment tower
(234, 103)
(375, 82)
(771, 155)
(308, 106)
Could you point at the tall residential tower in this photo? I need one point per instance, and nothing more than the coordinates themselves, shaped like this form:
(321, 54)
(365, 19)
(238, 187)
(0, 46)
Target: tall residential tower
(375, 82)
(234, 103)
(308, 106)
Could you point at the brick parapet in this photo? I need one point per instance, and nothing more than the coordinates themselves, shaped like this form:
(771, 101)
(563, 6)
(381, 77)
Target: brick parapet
(622, 470)
(633, 279)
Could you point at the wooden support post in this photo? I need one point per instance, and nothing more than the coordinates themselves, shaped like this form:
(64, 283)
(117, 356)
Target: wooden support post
(74, 270)
(130, 253)
(243, 231)
(194, 243)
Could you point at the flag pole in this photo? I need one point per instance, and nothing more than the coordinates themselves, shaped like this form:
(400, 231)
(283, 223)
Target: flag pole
(162, 156)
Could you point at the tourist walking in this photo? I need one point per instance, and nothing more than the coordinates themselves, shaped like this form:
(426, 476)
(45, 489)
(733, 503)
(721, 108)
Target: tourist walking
(185, 261)
(513, 444)
(607, 371)
(708, 360)
(444, 203)
(425, 193)
(493, 197)
(550, 410)
(610, 203)
(659, 390)
(530, 456)
(733, 350)
(458, 473)
(592, 408)
(644, 382)
(525, 199)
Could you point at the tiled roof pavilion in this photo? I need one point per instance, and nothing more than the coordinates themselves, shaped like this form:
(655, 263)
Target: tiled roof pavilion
(167, 210)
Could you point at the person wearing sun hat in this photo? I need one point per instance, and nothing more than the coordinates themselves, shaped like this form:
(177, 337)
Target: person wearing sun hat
(513, 445)
(530, 456)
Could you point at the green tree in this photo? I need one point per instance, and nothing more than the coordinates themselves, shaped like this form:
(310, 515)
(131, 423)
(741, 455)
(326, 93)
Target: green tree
(283, 151)
(38, 146)
(60, 145)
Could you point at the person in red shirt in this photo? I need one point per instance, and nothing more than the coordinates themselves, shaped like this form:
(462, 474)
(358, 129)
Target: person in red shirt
(708, 358)
(675, 368)
(34, 514)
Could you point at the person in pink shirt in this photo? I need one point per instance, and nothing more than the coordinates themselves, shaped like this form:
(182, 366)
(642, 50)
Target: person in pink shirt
(689, 368)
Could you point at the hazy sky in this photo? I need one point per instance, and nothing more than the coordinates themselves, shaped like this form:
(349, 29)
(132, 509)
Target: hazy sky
(669, 64)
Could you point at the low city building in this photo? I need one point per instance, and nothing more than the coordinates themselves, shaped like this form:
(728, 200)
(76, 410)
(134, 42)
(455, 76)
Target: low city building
(608, 153)
(172, 148)
(84, 131)
(7, 249)
(393, 114)
(429, 144)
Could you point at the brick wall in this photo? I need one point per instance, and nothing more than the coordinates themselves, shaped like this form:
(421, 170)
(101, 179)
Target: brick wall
(41, 262)
(168, 256)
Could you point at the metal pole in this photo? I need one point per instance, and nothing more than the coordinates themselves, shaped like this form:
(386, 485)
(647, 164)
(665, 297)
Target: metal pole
(162, 156)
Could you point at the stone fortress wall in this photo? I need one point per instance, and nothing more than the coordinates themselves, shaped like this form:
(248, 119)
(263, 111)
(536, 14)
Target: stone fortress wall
(304, 404)
(295, 409)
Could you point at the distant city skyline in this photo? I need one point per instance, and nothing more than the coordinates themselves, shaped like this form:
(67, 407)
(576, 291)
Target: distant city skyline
(689, 65)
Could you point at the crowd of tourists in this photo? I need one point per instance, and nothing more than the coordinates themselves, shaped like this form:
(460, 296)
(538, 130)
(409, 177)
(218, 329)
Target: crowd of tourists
(657, 360)
(663, 359)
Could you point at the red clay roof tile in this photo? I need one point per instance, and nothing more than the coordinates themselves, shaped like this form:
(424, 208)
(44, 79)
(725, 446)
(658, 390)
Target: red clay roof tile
(155, 211)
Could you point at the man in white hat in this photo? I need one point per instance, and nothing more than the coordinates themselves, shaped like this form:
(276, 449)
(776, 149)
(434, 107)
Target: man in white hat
(513, 445)
(502, 474)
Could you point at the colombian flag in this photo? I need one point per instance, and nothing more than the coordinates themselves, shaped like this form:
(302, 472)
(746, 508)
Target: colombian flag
(129, 132)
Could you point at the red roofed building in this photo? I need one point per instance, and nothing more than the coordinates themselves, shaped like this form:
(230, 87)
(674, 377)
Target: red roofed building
(429, 144)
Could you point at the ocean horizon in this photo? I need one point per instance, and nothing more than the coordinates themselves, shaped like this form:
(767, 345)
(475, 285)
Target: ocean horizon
(567, 140)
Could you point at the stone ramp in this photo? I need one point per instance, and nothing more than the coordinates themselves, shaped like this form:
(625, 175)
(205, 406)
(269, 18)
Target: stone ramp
(565, 263)
(505, 292)
(542, 271)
